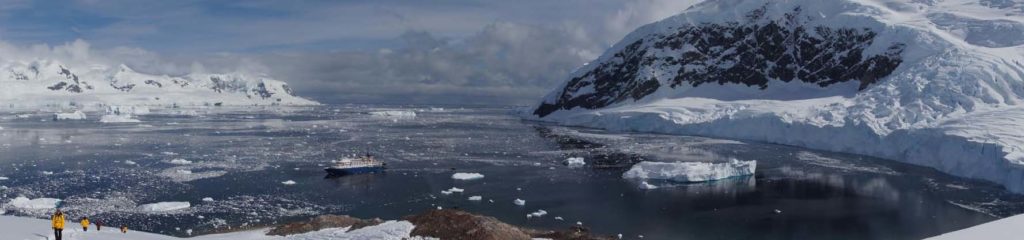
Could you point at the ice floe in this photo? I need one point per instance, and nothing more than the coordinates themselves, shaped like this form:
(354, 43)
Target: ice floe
(394, 113)
(467, 176)
(164, 206)
(519, 202)
(575, 162)
(110, 118)
(179, 161)
(76, 115)
(538, 213)
(452, 190)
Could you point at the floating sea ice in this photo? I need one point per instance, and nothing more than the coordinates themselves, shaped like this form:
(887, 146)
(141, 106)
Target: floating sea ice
(467, 176)
(129, 162)
(394, 113)
(519, 202)
(76, 115)
(207, 199)
(690, 171)
(645, 185)
(110, 118)
(452, 190)
(3, 178)
(180, 161)
(289, 182)
(47, 173)
(476, 198)
(575, 162)
(538, 213)
(559, 218)
(164, 206)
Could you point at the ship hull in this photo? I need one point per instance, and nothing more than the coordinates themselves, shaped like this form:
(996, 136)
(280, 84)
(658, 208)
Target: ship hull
(354, 170)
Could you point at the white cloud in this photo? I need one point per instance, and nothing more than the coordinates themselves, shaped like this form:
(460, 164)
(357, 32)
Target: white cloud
(486, 52)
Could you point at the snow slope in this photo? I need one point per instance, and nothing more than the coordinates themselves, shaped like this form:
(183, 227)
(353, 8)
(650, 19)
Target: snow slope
(932, 83)
(1006, 228)
(40, 82)
(21, 228)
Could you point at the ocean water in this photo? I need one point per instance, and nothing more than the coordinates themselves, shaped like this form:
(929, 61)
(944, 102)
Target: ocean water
(240, 158)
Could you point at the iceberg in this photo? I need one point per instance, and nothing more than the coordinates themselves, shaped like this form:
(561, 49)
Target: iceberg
(575, 162)
(76, 115)
(35, 203)
(690, 171)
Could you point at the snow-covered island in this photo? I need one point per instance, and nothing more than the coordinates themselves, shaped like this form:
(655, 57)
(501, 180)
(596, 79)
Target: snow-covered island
(932, 83)
(29, 84)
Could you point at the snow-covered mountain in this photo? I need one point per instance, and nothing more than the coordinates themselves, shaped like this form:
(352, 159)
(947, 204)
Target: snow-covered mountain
(52, 83)
(938, 83)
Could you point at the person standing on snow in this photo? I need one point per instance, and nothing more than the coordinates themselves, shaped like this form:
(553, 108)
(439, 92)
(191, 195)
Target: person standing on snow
(85, 224)
(58, 224)
(98, 224)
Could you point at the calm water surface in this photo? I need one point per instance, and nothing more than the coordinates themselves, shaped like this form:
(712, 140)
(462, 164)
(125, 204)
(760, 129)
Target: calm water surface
(239, 159)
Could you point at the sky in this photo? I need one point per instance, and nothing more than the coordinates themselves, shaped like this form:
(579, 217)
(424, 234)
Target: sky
(380, 51)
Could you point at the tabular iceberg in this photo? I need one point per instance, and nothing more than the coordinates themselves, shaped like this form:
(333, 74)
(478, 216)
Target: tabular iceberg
(688, 172)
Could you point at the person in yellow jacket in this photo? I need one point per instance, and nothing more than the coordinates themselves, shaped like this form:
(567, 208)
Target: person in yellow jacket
(58, 224)
(85, 224)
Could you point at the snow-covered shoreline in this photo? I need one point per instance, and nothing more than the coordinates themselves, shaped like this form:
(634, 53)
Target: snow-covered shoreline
(978, 146)
(25, 228)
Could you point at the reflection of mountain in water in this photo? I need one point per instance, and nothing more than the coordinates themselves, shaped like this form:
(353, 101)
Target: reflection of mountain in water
(723, 187)
(596, 155)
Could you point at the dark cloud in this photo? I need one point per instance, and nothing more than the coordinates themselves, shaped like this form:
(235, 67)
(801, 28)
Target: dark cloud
(503, 63)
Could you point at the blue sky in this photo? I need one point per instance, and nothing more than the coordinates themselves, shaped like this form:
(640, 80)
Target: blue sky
(343, 51)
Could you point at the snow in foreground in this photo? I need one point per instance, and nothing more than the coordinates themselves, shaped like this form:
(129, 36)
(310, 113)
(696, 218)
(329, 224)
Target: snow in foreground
(22, 228)
(690, 171)
(1006, 228)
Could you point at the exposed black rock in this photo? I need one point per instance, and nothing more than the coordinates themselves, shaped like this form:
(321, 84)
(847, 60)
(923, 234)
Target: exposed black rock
(123, 88)
(72, 85)
(261, 90)
(154, 83)
(751, 52)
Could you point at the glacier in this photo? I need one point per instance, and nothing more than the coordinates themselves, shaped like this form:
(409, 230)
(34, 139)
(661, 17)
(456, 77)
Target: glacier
(932, 83)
